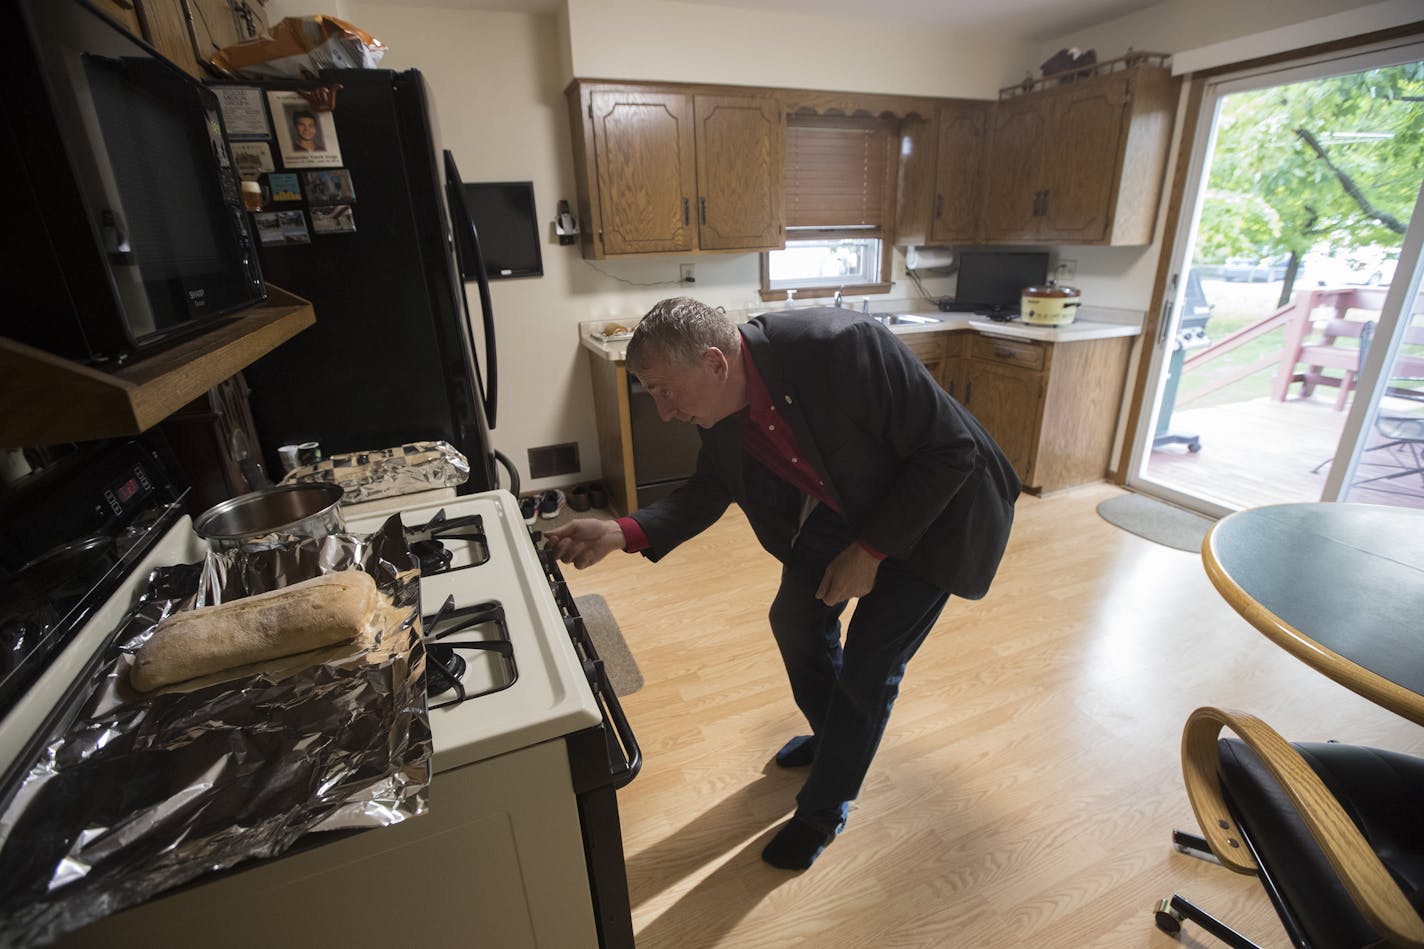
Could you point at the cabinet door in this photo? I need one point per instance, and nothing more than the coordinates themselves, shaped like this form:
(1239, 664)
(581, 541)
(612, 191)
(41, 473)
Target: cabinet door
(1008, 402)
(741, 147)
(957, 179)
(1081, 165)
(643, 147)
(951, 376)
(1013, 169)
(165, 24)
(124, 12)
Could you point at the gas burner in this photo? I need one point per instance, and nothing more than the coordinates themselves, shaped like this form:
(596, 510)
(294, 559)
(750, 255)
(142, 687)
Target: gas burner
(446, 544)
(432, 556)
(488, 665)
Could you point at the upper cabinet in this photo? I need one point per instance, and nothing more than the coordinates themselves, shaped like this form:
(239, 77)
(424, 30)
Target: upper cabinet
(671, 170)
(959, 169)
(668, 168)
(1079, 163)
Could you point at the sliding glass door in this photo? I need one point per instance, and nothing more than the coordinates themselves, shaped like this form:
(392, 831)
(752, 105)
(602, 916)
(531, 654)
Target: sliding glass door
(1290, 366)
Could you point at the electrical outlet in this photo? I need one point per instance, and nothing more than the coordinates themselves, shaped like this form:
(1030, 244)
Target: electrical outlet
(687, 273)
(1066, 271)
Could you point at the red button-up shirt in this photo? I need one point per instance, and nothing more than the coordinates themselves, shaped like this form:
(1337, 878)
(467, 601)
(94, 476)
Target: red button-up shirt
(767, 438)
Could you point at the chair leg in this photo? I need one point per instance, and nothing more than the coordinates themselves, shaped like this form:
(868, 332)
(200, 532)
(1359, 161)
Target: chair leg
(1171, 913)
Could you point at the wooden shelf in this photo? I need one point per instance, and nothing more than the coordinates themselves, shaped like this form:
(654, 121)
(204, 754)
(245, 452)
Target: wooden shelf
(49, 399)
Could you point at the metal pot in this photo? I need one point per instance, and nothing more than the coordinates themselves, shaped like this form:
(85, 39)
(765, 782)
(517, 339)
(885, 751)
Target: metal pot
(272, 517)
(1050, 306)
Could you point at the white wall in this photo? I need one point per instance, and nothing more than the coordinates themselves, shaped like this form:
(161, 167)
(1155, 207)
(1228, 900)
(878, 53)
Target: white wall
(694, 42)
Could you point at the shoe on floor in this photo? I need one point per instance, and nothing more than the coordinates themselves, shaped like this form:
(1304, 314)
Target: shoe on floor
(597, 497)
(529, 508)
(549, 505)
(578, 498)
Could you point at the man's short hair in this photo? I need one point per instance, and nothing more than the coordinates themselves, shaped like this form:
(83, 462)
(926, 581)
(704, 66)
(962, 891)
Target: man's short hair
(303, 114)
(678, 331)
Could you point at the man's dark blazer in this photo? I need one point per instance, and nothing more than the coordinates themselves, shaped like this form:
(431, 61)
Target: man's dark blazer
(910, 469)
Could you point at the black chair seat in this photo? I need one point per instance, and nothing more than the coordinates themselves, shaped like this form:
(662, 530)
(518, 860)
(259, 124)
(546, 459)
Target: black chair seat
(1381, 791)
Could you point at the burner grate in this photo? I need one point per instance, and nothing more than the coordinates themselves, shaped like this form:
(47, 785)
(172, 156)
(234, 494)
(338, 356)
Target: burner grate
(444, 544)
(479, 663)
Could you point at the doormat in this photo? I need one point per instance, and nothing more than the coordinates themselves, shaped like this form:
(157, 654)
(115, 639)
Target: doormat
(608, 641)
(1158, 522)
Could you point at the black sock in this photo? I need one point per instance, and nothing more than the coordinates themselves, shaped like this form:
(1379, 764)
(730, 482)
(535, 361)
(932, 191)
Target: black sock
(798, 752)
(796, 845)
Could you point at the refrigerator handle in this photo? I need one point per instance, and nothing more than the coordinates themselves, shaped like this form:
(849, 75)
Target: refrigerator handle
(462, 222)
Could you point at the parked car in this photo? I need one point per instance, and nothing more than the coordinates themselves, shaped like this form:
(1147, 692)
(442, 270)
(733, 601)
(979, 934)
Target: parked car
(1318, 270)
(1252, 270)
(1239, 269)
(1377, 274)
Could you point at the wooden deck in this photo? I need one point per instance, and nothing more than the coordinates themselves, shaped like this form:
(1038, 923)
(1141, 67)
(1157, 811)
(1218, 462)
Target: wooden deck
(1265, 452)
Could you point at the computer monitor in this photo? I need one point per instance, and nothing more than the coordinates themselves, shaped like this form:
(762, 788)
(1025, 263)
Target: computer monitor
(508, 228)
(994, 279)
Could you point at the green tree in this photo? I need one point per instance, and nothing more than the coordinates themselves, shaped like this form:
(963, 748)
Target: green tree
(1333, 161)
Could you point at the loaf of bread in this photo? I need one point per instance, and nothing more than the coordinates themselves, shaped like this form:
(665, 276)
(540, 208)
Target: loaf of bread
(319, 612)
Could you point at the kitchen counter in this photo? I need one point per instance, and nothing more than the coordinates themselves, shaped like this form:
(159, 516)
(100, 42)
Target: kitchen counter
(1094, 323)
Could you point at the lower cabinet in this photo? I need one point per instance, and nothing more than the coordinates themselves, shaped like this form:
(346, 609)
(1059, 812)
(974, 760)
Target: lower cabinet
(1052, 407)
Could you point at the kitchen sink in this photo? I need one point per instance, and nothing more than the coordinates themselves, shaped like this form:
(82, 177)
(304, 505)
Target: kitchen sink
(904, 319)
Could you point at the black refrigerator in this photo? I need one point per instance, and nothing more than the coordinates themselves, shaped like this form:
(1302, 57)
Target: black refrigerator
(391, 357)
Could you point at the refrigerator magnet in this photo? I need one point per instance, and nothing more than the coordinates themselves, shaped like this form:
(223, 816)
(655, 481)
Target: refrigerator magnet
(242, 112)
(329, 187)
(333, 219)
(306, 138)
(269, 229)
(294, 227)
(253, 159)
(283, 186)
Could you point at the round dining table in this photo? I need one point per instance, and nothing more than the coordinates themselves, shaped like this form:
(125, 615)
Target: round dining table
(1339, 586)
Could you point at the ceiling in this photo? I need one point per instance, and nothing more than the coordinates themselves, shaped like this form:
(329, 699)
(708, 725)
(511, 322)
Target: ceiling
(1026, 20)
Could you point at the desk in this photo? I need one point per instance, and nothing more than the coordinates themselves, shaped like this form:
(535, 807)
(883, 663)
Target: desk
(1339, 586)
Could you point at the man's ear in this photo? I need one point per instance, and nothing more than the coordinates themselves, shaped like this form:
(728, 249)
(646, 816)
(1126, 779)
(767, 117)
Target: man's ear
(715, 361)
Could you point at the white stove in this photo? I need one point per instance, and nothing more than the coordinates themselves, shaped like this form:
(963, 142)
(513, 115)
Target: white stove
(543, 694)
(521, 846)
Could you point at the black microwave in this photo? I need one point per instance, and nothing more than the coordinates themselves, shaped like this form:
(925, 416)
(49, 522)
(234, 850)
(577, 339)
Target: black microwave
(125, 229)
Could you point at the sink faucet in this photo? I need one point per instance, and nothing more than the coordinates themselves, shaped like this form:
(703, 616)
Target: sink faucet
(865, 306)
(838, 295)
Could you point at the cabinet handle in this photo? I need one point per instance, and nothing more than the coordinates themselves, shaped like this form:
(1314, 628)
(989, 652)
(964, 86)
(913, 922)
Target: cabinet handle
(939, 206)
(1044, 212)
(686, 218)
(1002, 353)
(968, 392)
(702, 210)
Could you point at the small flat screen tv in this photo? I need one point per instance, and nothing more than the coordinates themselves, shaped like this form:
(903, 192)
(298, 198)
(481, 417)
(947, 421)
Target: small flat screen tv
(994, 279)
(508, 228)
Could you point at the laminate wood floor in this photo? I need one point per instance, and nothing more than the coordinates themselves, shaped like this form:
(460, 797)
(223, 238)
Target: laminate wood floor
(1028, 784)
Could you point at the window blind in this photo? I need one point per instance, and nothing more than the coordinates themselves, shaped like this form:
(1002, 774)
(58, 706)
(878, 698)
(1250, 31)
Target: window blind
(836, 172)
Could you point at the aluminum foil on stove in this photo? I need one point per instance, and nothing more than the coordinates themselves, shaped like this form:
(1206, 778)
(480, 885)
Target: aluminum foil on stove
(137, 793)
(405, 469)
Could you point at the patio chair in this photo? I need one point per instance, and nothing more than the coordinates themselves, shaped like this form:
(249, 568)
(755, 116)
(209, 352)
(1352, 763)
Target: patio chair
(1404, 432)
(1335, 832)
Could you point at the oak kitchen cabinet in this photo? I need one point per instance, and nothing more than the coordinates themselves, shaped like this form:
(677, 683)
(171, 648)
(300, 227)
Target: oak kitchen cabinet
(1081, 163)
(1052, 407)
(676, 170)
(959, 170)
(176, 28)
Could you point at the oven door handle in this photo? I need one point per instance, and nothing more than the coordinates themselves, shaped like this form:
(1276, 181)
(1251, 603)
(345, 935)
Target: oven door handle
(623, 772)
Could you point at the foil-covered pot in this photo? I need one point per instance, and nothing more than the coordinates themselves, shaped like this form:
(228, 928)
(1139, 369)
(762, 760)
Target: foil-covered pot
(271, 517)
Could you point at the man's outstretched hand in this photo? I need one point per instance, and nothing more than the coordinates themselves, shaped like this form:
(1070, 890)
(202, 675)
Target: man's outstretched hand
(584, 542)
